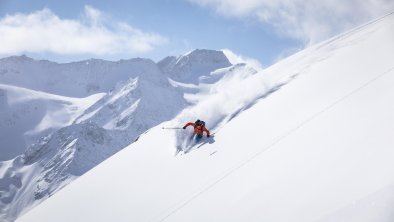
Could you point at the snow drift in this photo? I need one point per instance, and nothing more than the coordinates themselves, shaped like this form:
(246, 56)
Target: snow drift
(319, 149)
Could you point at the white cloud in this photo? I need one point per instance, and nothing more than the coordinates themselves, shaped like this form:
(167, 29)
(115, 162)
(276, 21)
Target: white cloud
(44, 31)
(307, 20)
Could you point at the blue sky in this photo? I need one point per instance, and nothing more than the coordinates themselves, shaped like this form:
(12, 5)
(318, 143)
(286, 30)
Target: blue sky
(73, 30)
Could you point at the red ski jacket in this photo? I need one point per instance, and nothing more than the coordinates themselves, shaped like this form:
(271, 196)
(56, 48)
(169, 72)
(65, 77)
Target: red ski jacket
(199, 130)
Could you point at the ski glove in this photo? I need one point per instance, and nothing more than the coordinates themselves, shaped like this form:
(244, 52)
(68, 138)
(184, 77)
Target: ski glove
(208, 135)
(184, 127)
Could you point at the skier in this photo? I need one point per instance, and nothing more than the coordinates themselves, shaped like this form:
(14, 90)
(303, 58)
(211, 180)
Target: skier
(199, 128)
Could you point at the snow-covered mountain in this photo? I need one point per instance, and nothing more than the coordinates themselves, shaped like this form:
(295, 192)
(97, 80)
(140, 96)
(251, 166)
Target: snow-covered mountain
(67, 127)
(28, 117)
(193, 66)
(310, 139)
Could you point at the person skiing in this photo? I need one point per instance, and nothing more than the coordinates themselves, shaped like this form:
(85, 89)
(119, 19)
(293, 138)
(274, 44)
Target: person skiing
(199, 128)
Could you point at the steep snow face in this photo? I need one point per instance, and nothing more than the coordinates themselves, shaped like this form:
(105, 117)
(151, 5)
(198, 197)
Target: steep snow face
(27, 115)
(191, 67)
(319, 150)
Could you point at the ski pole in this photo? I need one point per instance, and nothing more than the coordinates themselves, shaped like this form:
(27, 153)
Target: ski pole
(172, 128)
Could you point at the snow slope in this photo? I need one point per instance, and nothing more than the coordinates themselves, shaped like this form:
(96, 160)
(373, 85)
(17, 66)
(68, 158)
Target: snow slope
(319, 149)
